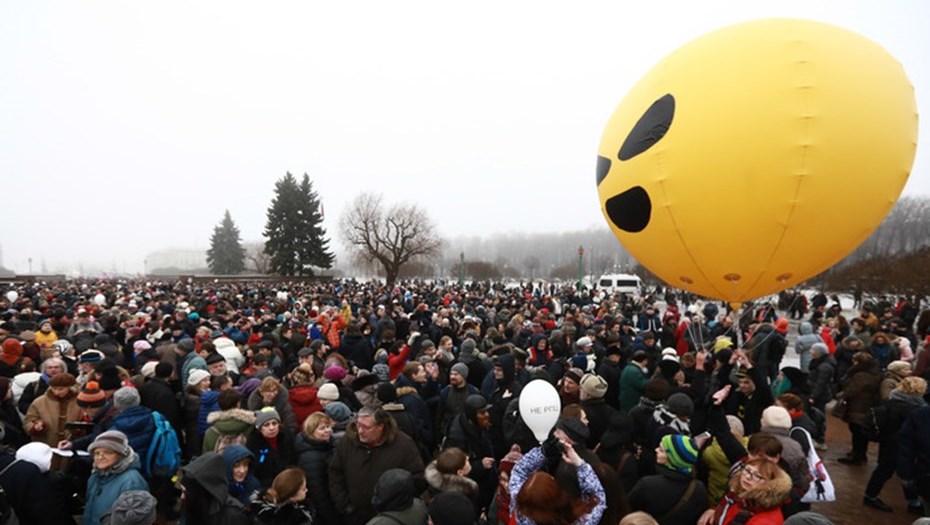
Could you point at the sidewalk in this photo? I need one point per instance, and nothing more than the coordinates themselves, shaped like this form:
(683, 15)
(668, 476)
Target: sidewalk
(850, 485)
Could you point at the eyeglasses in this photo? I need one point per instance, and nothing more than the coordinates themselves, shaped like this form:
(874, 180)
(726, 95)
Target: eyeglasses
(753, 474)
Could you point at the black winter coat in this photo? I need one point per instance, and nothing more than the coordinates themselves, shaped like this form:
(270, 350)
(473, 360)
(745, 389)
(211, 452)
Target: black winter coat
(158, 395)
(30, 495)
(314, 456)
(658, 494)
(358, 349)
(599, 414)
(270, 461)
(820, 378)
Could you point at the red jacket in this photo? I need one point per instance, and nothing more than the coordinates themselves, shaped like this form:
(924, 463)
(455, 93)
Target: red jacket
(396, 362)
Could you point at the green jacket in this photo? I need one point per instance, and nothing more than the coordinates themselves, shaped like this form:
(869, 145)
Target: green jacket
(633, 380)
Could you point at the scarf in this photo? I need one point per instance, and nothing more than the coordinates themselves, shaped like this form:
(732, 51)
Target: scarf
(913, 400)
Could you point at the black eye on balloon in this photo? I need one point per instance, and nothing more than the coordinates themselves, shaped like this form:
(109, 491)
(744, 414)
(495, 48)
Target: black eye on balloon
(649, 129)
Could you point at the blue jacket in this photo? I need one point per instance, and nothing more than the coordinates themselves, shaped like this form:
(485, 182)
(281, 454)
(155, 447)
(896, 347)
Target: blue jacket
(209, 402)
(138, 425)
(104, 489)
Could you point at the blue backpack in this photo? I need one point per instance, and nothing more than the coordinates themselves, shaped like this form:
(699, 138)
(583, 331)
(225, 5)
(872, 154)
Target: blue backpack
(163, 458)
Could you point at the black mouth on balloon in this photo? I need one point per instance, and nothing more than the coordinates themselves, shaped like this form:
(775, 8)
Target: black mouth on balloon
(630, 211)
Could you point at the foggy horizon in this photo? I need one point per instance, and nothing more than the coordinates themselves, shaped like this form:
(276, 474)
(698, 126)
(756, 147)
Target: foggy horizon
(129, 128)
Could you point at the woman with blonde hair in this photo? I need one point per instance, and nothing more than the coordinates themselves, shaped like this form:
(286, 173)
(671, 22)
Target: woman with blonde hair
(757, 492)
(314, 448)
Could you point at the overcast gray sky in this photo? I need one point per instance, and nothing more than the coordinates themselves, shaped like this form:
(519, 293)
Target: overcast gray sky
(126, 127)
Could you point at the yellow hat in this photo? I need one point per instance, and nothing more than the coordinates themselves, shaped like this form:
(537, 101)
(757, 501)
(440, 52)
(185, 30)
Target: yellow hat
(722, 343)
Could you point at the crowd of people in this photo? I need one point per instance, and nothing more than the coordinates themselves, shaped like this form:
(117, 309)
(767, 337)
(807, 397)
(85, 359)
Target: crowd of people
(343, 402)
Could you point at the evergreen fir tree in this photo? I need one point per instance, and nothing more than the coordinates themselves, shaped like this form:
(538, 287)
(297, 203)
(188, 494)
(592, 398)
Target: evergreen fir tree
(295, 236)
(226, 255)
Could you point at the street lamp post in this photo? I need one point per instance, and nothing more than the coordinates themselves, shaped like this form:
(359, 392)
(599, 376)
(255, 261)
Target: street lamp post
(580, 267)
(462, 269)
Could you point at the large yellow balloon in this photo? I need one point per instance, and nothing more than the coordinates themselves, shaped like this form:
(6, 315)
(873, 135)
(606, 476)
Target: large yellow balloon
(757, 156)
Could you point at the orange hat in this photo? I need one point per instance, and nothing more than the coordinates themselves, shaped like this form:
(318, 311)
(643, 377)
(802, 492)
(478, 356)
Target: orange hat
(781, 324)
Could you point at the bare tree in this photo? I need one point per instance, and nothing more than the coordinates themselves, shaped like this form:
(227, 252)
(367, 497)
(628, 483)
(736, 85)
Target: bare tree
(256, 260)
(391, 236)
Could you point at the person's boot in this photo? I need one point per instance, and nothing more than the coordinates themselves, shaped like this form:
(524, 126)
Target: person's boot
(852, 460)
(876, 503)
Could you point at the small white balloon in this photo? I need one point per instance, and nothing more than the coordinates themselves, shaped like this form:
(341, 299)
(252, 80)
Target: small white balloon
(12, 296)
(540, 407)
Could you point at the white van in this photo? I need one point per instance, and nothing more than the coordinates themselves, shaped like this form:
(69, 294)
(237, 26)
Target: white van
(620, 283)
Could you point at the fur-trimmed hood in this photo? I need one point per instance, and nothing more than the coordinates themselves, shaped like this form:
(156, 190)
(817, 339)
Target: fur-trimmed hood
(449, 482)
(246, 416)
(404, 390)
(770, 495)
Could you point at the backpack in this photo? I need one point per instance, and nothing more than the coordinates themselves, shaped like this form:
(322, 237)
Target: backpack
(163, 458)
(875, 422)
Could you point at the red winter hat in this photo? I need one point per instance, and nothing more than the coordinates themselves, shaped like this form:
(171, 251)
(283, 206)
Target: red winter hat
(12, 349)
(781, 324)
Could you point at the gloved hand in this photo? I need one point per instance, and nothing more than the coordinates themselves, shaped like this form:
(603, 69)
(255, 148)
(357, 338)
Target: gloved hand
(412, 339)
(552, 450)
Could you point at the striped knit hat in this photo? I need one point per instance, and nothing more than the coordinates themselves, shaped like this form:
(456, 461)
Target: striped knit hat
(91, 396)
(682, 452)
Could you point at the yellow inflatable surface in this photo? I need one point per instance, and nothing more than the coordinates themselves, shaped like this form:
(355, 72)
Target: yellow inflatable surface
(757, 156)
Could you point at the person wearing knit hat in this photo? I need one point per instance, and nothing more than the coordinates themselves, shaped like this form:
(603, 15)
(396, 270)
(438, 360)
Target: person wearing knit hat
(109, 378)
(677, 452)
(148, 369)
(272, 443)
(115, 472)
(461, 369)
(339, 412)
(781, 325)
(775, 417)
(573, 429)
(265, 415)
(335, 374)
(91, 396)
(12, 350)
(327, 394)
(134, 507)
(140, 346)
(196, 376)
